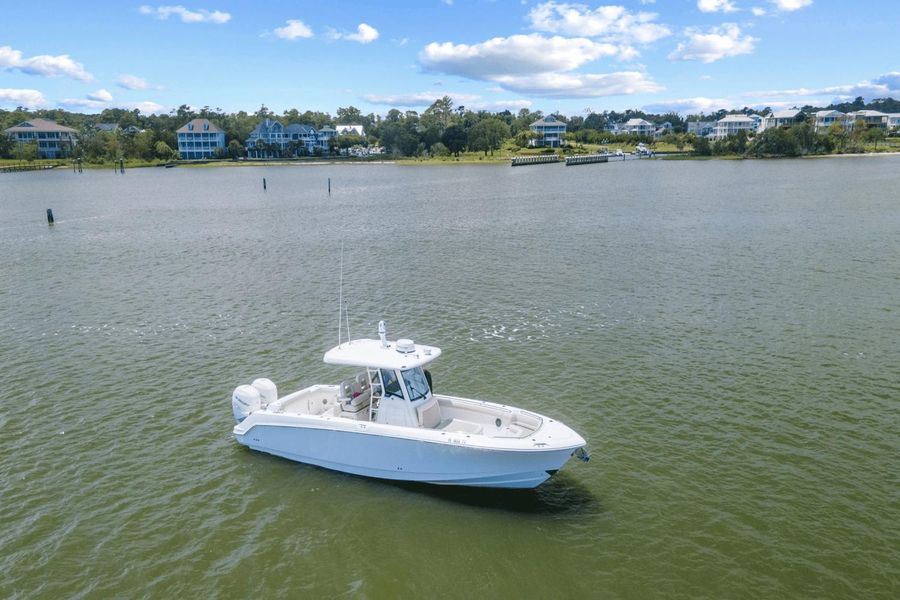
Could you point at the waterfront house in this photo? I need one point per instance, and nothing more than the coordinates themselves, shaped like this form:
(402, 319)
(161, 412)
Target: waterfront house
(267, 140)
(108, 127)
(325, 134)
(871, 118)
(550, 131)
(731, 124)
(782, 118)
(893, 121)
(299, 135)
(270, 139)
(826, 118)
(701, 128)
(199, 138)
(663, 129)
(638, 127)
(53, 140)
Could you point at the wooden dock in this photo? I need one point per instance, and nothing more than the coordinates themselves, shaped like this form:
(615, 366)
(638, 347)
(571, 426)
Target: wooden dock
(28, 166)
(586, 159)
(539, 159)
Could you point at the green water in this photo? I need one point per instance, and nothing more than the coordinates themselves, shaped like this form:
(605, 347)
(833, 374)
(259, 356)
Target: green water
(724, 335)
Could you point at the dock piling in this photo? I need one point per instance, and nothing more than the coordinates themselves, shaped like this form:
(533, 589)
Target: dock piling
(49, 216)
(264, 184)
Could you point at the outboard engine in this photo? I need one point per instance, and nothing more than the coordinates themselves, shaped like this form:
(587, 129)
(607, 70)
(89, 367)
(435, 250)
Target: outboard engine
(268, 393)
(244, 401)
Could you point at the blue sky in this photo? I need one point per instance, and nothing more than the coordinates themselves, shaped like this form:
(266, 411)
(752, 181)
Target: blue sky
(658, 55)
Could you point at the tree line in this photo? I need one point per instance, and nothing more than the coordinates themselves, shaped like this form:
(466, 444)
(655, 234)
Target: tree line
(442, 129)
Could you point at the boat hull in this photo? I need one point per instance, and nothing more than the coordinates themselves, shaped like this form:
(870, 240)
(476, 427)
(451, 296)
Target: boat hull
(454, 460)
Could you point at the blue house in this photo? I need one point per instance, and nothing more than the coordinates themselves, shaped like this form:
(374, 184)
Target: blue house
(199, 139)
(270, 139)
(266, 139)
(550, 130)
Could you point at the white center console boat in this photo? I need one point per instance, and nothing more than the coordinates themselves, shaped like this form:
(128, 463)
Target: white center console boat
(386, 422)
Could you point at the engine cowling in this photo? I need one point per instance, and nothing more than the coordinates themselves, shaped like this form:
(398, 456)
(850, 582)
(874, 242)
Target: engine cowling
(245, 400)
(268, 393)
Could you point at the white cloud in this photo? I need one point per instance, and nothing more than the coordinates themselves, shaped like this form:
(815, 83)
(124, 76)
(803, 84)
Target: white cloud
(85, 104)
(365, 34)
(100, 95)
(187, 16)
(514, 55)
(538, 65)
(22, 97)
(44, 65)
(294, 29)
(418, 99)
(883, 86)
(500, 105)
(471, 101)
(716, 6)
(146, 107)
(689, 106)
(579, 85)
(758, 11)
(716, 44)
(790, 5)
(612, 23)
(132, 82)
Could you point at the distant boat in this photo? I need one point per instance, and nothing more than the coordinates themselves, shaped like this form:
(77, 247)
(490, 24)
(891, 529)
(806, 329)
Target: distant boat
(169, 165)
(387, 423)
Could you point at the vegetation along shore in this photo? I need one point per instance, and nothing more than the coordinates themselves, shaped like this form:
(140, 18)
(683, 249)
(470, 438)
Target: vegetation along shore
(441, 134)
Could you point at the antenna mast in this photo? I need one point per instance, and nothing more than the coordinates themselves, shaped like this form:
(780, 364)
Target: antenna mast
(341, 294)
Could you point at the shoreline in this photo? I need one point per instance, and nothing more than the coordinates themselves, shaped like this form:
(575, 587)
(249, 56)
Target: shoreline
(505, 161)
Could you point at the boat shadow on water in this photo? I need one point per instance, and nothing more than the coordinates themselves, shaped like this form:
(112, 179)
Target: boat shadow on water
(560, 495)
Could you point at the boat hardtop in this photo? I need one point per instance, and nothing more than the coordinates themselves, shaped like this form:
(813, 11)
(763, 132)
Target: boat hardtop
(377, 354)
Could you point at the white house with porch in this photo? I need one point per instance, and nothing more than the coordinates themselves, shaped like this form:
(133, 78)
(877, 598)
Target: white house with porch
(638, 127)
(731, 124)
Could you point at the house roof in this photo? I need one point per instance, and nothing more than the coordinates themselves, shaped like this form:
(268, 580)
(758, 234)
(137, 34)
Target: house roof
(549, 120)
(736, 119)
(829, 113)
(637, 123)
(198, 127)
(300, 128)
(357, 129)
(787, 114)
(869, 113)
(267, 125)
(40, 125)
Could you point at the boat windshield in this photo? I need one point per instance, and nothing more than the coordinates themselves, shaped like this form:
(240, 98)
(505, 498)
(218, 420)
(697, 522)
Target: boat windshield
(416, 384)
(391, 383)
